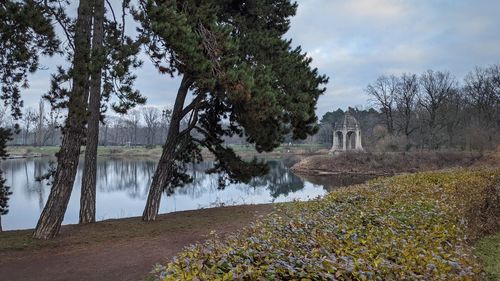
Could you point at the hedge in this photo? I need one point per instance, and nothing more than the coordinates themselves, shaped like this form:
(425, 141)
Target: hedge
(408, 227)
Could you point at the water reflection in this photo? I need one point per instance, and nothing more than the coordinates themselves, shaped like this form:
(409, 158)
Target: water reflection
(122, 186)
(332, 182)
(280, 180)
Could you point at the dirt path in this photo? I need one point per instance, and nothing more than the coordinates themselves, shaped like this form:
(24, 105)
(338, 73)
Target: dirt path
(117, 256)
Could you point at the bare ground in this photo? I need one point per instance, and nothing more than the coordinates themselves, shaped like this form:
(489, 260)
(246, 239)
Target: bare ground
(124, 249)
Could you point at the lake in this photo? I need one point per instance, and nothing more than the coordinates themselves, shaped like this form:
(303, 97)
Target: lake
(122, 186)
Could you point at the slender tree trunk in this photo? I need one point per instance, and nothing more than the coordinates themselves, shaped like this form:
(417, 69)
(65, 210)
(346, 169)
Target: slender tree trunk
(88, 190)
(164, 168)
(52, 215)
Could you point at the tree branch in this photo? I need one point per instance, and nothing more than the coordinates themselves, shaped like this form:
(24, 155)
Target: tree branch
(195, 103)
(111, 9)
(61, 23)
(193, 120)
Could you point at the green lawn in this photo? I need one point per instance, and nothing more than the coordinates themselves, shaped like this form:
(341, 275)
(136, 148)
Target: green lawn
(488, 250)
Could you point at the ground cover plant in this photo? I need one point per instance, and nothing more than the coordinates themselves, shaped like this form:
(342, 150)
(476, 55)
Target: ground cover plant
(488, 250)
(409, 227)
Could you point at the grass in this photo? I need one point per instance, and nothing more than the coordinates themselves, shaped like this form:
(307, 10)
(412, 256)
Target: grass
(155, 152)
(488, 250)
(130, 228)
(101, 151)
(409, 227)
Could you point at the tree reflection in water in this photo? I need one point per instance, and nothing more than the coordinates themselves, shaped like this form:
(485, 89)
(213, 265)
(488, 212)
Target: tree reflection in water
(122, 189)
(332, 182)
(134, 176)
(279, 181)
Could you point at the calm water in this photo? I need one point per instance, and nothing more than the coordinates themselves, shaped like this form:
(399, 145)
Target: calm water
(122, 187)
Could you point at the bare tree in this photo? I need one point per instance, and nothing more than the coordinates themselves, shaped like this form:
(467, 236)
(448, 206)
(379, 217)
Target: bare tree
(29, 121)
(482, 88)
(53, 126)
(40, 125)
(151, 117)
(3, 116)
(166, 115)
(405, 98)
(436, 88)
(383, 91)
(133, 120)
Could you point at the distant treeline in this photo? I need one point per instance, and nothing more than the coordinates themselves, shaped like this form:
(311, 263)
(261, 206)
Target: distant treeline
(429, 111)
(142, 126)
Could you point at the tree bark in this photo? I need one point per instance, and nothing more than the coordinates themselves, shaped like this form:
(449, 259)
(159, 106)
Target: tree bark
(164, 168)
(88, 190)
(52, 215)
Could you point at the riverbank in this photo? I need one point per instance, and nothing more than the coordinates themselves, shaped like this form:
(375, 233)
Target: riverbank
(155, 152)
(386, 164)
(122, 249)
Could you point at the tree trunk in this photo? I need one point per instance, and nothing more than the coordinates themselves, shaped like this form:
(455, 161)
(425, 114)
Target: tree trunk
(52, 215)
(88, 190)
(164, 168)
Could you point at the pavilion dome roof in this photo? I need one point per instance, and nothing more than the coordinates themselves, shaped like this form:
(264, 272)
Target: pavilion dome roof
(349, 123)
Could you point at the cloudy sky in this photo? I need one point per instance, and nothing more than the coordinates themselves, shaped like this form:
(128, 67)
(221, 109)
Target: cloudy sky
(353, 42)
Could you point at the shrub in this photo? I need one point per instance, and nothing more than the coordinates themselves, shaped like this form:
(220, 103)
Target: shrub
(409, 227)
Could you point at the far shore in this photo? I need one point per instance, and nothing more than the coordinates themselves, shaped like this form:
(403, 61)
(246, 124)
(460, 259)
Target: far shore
(391, 163)
(20, 152)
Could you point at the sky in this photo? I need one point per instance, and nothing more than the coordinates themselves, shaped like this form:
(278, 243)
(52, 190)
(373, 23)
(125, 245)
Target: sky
(354, 42)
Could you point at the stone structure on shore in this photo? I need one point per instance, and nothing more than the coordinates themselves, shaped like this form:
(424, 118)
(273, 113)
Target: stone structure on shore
(347, 135)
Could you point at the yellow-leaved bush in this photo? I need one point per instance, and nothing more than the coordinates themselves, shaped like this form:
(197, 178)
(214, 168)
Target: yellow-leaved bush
(408, 227)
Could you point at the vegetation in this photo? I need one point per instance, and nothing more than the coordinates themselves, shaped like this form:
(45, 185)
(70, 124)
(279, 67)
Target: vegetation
(488, 250)
(428, 111)
(24, 34)
(385, 163)
(4, 189)
(409, 227)
(98, 49)
(155, 151)
(233, 58)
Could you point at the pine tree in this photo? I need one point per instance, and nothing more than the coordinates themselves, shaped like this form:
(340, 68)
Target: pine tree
(88, 189)
(67, 158)
(244, 77)
(25, 34)
(102, 60)
(4, 189)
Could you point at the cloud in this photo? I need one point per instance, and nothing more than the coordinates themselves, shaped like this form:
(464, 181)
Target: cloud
(355, 41)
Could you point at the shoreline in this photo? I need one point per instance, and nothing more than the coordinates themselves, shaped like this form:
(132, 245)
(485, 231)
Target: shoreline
(67, 229)
(117, 249)
(386, 164)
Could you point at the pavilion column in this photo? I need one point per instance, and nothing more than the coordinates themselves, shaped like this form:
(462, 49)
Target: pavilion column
(344, 140)
(335, 141)
(358, 141)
